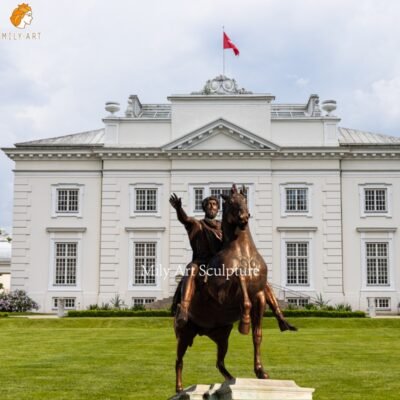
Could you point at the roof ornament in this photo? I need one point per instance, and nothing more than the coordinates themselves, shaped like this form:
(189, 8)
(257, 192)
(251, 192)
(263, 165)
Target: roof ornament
(112, 107)
(129, 109)
(222, 85)
(134, 108)
(329, 106)
(312, 107)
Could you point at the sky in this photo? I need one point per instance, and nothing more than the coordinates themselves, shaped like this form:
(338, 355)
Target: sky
(98, 51)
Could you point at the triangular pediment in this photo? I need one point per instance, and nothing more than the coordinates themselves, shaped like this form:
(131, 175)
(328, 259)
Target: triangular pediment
(221, 135)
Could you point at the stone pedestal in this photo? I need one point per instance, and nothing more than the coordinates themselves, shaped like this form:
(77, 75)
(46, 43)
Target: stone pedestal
(247, 389)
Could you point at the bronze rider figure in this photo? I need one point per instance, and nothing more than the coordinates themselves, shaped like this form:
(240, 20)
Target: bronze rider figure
(206, 240)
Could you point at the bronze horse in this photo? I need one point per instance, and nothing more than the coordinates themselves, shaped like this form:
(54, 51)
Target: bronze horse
(232, 287)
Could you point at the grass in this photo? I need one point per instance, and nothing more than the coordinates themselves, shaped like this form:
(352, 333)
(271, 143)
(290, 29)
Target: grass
(121, 358)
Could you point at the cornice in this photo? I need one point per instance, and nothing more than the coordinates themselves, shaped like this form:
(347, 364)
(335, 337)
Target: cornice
(296, 228)
(145, 228)
(126, 153)
(376, 229)
(206, 97)
(47, 154)
(66, 229)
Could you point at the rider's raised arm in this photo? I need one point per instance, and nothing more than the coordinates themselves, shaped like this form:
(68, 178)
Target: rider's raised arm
(176, 202)
(183, 218)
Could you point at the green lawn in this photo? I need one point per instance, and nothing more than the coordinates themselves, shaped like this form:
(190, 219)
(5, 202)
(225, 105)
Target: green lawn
(134, 358)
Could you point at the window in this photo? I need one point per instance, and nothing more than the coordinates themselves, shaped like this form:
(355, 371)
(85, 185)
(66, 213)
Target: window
(375, 200)
(145, 263)
(298, 301)
(145, 256)
(145, 200)
(69, 303)
(199, 193)
(377, 259)
(198, 199)
(297, 260)
(296, 200)
(382, 303)
(217, 192)
(377, 262)
(297, 256)
(67, 200)
(141, 301)
(66, 262)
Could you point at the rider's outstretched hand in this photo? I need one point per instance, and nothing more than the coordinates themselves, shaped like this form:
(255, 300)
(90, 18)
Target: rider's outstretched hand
(175, 201)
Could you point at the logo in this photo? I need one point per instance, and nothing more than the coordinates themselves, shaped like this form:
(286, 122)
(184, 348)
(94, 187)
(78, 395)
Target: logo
(21, 16)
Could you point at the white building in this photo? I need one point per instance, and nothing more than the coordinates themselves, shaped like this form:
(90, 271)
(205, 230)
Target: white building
(5, 261)
(91, 209)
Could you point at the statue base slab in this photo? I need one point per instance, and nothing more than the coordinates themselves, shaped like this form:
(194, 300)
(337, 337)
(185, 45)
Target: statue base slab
(246, 389)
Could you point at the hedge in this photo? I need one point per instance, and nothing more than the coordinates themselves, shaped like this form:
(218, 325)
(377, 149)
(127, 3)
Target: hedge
(119, 313)
(167, 313)
(320, 313)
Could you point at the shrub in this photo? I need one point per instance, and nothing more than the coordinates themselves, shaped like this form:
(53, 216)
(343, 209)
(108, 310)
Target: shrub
(105, 306)
(117, 303)
(138, 307)
(311, 306)
(320, 302)
(3, 315)
(17, 301)
(343, 307)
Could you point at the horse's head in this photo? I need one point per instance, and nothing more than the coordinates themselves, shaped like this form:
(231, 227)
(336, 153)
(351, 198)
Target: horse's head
(235, 211)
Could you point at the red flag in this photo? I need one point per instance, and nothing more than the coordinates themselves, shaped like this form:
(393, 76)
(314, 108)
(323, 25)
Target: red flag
(229, 45)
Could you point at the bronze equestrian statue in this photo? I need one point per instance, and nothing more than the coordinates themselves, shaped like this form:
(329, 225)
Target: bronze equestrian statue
(230, 286)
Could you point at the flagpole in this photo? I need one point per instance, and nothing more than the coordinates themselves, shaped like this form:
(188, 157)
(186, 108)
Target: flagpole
(223, 52)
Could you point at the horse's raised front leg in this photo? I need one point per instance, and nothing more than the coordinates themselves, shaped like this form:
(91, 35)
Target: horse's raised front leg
(276, 310)
(256, 320)
(220, 337)
(185, 339)
(244, 324)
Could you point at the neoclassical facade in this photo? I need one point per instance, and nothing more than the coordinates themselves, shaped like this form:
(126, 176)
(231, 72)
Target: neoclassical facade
(5, 262)
(92, 217)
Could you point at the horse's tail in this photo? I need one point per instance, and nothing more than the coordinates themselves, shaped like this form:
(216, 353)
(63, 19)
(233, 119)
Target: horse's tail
(177, 298)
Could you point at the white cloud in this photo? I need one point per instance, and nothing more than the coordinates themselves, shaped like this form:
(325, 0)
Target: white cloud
(98, 51)
(383, 97)
(374, 108)
(302, 82)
